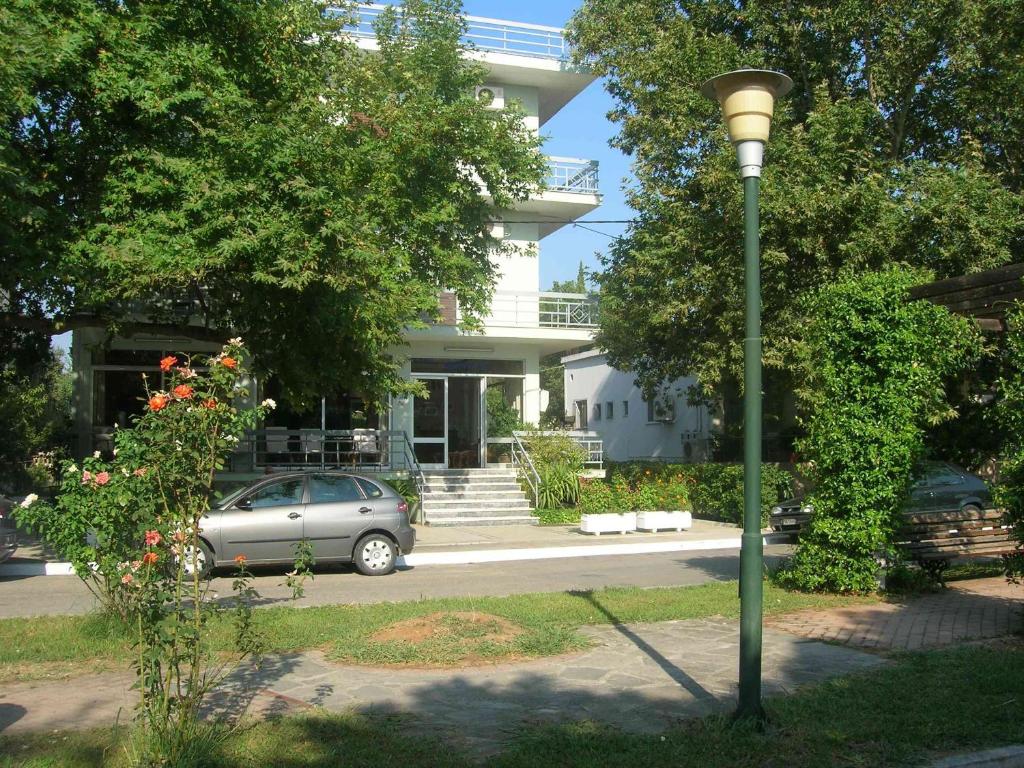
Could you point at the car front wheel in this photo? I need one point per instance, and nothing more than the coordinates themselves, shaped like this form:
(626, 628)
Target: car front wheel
(375, 555)
(198, 559)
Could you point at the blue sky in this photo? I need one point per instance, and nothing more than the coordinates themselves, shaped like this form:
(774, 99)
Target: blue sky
(581, 129)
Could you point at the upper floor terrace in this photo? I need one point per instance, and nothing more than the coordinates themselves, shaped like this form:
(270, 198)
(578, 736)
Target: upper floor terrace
(516, 53)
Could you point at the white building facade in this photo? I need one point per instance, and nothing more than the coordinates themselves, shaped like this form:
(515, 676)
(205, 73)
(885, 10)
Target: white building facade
(528, 64)
(607, 402)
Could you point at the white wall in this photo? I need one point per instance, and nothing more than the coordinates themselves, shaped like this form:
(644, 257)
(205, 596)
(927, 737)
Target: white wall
(589, 377)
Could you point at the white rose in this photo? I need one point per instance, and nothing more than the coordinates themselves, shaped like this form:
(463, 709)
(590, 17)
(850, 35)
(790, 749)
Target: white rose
(95, 454)
(29, 501)
(268, 403)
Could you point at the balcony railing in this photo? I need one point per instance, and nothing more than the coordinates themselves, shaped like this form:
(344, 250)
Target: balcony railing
(542, 310)
(570, 174)
(486, 34)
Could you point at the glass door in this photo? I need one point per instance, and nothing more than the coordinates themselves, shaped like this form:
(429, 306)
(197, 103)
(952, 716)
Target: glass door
(430, 424)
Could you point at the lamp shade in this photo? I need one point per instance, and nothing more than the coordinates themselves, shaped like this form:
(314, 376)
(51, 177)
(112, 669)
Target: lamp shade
(748, 98)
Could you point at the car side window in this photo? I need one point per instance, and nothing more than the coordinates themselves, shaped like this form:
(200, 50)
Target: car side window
(325, 489)
(372, 490)
(281, 494)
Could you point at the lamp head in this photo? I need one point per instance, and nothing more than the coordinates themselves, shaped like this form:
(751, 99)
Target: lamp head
(748, 98)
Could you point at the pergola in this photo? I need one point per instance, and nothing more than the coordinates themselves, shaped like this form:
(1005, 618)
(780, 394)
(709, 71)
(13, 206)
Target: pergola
(985, 296)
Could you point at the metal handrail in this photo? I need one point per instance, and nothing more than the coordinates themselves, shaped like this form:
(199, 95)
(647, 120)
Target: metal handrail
(571, 174)
(416, 472)
(522, 462)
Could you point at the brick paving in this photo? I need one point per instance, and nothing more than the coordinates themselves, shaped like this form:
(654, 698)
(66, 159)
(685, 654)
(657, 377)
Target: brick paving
(974, 610)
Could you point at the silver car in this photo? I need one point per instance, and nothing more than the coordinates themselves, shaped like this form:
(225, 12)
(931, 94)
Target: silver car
(346, 518)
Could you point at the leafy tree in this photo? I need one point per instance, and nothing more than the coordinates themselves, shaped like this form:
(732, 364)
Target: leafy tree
(229, 166)
(878, 364)
(1009, 423)
(900, 144)
(577, 285)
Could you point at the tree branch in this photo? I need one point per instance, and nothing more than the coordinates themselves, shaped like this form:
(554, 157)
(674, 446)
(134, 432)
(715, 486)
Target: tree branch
(54, 326)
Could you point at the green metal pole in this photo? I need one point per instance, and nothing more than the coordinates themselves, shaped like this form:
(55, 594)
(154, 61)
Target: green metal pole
(752, 552)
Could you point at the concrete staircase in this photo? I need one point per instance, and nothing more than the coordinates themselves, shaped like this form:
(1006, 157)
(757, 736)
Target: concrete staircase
(489, 496)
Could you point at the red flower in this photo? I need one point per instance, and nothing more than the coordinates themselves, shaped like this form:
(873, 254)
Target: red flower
(240, 560)
(153, 538)
(182, 391)
(210, 403)
(158, 401)
(229, 362)
(102, 478)
(168, 362)
(150, 558)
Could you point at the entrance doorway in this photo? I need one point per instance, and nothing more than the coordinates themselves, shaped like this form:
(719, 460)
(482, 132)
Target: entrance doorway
(448, 424)
(464, 422)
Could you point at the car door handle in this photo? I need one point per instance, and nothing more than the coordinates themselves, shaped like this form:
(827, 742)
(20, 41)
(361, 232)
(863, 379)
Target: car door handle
(293, 515)
(364, 510)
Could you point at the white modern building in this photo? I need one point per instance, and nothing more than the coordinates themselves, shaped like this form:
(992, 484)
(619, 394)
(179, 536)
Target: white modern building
(528, 64)
(607, 402)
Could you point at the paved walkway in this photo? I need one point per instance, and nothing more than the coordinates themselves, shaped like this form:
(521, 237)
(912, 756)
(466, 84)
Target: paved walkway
(969, 610)
(642, 678)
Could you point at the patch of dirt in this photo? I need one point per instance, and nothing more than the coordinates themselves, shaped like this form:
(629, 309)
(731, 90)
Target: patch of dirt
(466, 626)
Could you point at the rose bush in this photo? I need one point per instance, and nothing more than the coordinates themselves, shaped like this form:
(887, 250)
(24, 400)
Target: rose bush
(132, 528)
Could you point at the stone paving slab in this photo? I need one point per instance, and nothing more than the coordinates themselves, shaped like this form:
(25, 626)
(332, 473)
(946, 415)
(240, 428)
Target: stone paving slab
(973, 610)
(641, 678)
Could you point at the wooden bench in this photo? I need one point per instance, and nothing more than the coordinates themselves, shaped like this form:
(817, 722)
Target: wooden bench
(934, 539)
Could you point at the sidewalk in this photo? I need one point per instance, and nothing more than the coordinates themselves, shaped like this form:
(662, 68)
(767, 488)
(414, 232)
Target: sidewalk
(465, 545)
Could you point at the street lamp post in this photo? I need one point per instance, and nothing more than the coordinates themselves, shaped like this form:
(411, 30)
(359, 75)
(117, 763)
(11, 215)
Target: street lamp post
(748, 97)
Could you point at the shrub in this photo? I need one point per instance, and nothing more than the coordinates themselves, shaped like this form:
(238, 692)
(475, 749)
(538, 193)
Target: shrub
(877, 364)
(1010, 420)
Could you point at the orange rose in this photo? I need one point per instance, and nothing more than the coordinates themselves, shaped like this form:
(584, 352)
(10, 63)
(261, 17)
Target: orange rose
(182, 391)
(150, 558)
(229, 362)
(240, 559)
(168, 362)
(210, 403)
(156, 402)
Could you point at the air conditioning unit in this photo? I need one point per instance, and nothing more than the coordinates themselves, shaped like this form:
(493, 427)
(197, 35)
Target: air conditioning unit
(491, 96)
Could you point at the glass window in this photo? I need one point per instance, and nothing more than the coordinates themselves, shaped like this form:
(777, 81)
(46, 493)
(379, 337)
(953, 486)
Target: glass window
(119, 395)
(609, 410)
(372, 490)
(281, 494)
(597, 411)
(327, 489)
(625, 408)
(581, 414)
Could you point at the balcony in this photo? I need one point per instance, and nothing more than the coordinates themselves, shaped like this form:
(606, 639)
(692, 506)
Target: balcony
(483, 34)
(575, 311)
(571, 174)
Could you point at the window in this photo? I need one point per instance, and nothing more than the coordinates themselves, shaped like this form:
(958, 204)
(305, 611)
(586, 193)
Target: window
(281, 494)
(331, 489)
(625, 408)
(371, 490)
(609, 410)
(661, 410)
(597, 411)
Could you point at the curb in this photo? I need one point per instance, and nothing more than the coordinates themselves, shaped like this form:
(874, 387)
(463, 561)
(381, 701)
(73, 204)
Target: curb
(470, 557)
(1003, 757)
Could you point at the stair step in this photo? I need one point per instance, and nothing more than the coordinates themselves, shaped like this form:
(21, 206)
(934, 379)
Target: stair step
(457, 505)
(474, 493)
(446, 522)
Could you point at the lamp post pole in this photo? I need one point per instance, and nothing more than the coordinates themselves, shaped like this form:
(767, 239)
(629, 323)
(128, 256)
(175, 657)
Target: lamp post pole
(747, 98)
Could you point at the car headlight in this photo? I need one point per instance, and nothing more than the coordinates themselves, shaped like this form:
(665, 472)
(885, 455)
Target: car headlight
(776, 510)
(807, 509)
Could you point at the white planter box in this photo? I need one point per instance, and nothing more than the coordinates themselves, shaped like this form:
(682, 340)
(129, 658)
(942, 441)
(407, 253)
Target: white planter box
(663, 521)
(622, 522)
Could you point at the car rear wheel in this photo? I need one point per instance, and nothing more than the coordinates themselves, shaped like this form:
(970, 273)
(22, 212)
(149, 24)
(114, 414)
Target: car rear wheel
(198, 559)
(375, 555)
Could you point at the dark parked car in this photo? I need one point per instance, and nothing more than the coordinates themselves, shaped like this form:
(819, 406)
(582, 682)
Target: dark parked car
(8, 530)
(941, 487)
(346, 518)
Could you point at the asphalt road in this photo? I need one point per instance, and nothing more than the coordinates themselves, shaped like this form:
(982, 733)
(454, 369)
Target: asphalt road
(48, 595)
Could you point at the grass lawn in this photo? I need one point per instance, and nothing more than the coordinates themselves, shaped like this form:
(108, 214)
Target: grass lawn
(926, 703)
(546, 625)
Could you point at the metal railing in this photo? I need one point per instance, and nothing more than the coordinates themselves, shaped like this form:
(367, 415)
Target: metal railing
(524, 465)
(572, 174)
(590, 442)
(484, 34)
(542, 310)
(355, 449)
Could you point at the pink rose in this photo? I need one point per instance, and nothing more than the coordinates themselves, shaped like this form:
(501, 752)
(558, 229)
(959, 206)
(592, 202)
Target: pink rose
(86, 475)
(126, 579)
(153, 538)
(102, 478)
